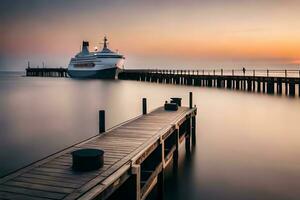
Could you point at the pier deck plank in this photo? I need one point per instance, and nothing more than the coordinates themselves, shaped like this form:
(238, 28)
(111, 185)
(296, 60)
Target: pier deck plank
(53, 177)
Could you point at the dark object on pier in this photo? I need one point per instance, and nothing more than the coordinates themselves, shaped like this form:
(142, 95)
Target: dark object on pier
(87, 159)
(176, 100)
(171, 106)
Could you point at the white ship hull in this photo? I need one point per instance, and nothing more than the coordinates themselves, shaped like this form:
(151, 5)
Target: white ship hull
(104, 64)
(104, 68)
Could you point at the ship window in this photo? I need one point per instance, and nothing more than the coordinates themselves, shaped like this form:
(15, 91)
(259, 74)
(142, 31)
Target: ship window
(84, 65)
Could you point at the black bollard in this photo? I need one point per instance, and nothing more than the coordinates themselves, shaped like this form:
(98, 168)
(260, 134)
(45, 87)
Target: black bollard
(87, 159)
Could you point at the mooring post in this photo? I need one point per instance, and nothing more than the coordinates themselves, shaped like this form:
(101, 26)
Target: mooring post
(191, 100)
(144, 106)
(101, 121)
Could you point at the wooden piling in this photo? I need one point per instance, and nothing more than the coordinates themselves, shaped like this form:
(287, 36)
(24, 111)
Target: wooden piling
(144, 106)
(194, 130)
(188, 137)
(101, 121)
(299, 86)
(291, 88)
(270, 86)
(160, 185)
(279, 86)
(191, 99)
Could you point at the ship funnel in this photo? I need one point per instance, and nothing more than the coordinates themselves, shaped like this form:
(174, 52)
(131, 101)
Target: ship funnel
(85, 47)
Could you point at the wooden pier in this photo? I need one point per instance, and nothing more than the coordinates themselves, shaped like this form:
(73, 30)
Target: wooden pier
(261, 81)
(47, 72)
(136, 154)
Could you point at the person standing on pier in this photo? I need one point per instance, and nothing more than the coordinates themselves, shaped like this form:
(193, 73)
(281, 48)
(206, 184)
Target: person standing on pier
(244, 70)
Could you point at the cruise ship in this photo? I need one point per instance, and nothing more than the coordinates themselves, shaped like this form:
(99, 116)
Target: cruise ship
(104, 64)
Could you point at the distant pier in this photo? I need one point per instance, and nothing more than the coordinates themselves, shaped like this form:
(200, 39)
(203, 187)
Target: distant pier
(47, 72)
(261, 81)
(136, 154)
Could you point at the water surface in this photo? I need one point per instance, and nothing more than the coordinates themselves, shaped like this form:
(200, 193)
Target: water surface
(248, 144)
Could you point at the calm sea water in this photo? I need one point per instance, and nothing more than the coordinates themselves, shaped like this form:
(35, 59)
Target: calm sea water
(248, 144)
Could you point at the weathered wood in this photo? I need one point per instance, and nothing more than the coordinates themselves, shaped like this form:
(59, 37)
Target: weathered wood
(31, 192)
(15, 196)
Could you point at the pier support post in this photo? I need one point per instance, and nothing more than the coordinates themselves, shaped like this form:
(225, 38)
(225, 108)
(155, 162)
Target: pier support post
(160, 185)
(291, 88)
(193, 130)
(229, 83)
(270, 86)
(191, 100)
(176, 152)
(144, 106)
(258, 85)
(279, 86)
(101, 121)
(209, 82)
(237, 84)
(249, 85)
(135, 187)
(188, 136)
(219, 82)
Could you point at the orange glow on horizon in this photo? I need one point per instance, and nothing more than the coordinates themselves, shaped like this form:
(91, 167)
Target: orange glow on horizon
(200, 31)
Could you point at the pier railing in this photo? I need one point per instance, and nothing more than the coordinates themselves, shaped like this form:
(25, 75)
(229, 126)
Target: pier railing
(295, 73)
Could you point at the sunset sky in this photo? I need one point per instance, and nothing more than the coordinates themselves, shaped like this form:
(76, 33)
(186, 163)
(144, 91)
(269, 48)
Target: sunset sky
(157, 33)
